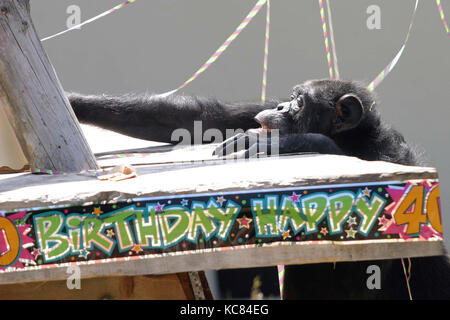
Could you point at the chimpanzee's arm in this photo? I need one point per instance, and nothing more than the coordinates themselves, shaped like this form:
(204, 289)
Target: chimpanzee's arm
(250, 144)
(308, 142)
(153, 117)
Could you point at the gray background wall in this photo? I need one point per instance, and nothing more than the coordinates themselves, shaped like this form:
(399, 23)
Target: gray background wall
(156, 45)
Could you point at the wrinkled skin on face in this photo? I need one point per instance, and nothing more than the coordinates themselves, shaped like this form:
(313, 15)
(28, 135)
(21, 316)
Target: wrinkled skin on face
(312, 108)
(306, 112)
(317, 112)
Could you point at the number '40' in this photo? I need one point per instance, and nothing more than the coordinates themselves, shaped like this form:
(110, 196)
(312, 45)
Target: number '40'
(416, 209)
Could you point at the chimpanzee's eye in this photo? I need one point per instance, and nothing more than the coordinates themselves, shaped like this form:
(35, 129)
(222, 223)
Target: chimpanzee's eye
(300, 101)
(292, 96)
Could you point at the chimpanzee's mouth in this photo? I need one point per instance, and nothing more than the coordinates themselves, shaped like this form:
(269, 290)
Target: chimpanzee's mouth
(263, 129)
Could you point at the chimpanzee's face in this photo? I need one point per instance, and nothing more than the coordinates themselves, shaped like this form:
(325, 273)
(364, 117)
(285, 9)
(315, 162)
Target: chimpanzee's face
(318, 106)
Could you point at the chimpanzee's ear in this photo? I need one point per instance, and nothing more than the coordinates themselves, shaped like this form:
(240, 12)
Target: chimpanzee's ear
(349, 112)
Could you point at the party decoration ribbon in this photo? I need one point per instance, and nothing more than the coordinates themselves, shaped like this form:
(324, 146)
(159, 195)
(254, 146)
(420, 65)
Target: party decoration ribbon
(333, 44)
(441, 13)
(266, 54)
(223, 47)
(392, 64)
(281, 279)
(45, 171)
(325, 37)
(117, 173)
(120, 6)
(56, 172)
(125, 155)
(407, 276)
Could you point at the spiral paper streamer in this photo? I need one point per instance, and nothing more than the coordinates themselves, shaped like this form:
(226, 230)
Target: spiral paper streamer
(441, 13)
(101, 15)
(325, 37)
(392, 64)
(266, 54)
(223, 47)
(407, 276)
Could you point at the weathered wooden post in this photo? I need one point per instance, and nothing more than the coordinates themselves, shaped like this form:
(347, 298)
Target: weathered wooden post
(33, 99)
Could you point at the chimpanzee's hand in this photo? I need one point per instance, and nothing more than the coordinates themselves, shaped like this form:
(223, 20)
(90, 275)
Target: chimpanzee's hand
(253, 143)
(262, 143)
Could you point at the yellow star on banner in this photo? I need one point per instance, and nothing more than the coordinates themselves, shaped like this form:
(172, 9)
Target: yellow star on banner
(286, 235)
(97, 211)
(366, 192)
(137, 248)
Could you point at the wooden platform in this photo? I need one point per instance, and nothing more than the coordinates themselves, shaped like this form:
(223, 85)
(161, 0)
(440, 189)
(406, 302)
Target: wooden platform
(144, 287)
(189, 211)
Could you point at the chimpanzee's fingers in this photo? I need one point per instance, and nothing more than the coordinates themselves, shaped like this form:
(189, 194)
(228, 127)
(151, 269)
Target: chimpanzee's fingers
(255, 150)
(219, 150)
(235, 144)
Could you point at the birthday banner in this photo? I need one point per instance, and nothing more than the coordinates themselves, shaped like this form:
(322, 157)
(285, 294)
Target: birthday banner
(43, 238)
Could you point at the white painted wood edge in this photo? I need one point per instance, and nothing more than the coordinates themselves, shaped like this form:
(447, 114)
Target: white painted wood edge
(237, 257)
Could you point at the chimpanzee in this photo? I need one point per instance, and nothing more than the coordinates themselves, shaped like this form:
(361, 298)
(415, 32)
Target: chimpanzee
(324, 116)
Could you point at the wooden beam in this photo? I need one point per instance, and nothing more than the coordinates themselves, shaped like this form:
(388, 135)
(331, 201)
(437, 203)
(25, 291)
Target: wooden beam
(144, 287)
(238, 258)
(34, 101)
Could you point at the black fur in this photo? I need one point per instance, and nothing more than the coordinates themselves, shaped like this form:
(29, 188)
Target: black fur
(152, 117)
(325, 116)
